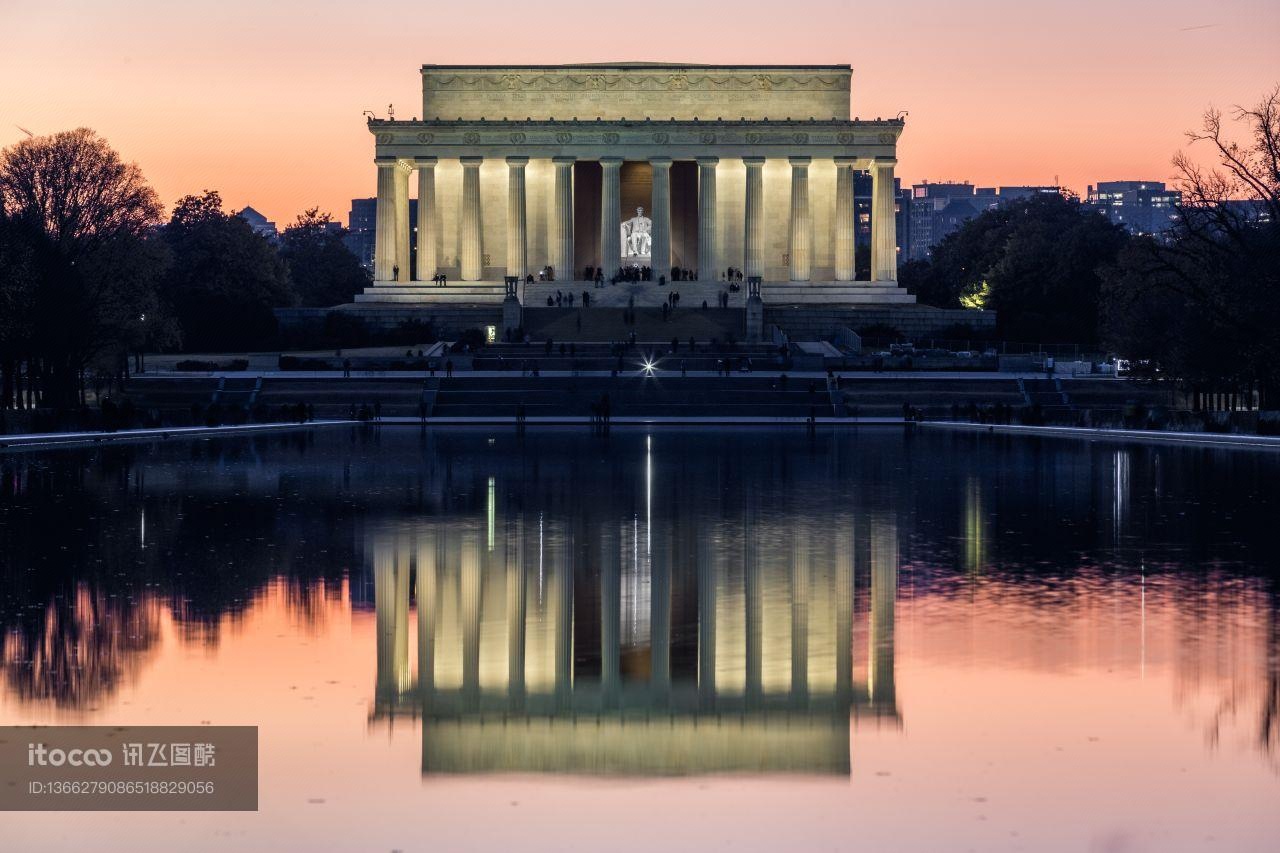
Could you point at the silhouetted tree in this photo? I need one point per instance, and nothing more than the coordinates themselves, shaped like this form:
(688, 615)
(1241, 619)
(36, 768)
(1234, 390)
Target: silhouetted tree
(1202, 305)
(323, 270)
(76, 271)
(224, 279)
(1035, 261)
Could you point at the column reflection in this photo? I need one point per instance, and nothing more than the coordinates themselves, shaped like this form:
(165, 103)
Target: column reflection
(734, 644)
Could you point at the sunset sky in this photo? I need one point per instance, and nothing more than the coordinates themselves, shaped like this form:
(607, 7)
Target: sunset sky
(263, 101)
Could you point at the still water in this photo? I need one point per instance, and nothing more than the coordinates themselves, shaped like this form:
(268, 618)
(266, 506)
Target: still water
(749, 640)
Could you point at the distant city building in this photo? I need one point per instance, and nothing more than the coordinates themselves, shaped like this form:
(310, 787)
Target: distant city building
(260, 224)
(939, 209)
(1142, 207)
(362, 226)
(1250, 210)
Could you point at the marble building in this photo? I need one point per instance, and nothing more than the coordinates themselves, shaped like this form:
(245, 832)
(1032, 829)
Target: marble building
(526, 169)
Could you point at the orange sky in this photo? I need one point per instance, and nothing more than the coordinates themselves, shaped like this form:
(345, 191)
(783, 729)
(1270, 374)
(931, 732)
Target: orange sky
(263, 101)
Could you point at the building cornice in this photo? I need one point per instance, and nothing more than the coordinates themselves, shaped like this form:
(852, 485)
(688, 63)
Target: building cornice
(679, 139)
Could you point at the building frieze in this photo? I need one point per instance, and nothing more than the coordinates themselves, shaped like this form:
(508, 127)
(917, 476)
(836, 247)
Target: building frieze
(505, 133)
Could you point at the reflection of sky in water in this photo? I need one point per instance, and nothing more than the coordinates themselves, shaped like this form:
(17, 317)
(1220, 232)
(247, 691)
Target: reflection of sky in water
(852, 629)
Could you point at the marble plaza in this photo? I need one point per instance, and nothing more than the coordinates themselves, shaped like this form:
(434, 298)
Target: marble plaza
(547, 171)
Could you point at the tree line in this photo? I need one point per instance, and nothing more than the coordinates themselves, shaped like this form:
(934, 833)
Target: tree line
(91, 271)
(1199, 304)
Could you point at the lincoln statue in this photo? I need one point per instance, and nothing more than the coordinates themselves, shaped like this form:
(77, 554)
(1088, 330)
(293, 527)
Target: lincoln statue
(637, 237)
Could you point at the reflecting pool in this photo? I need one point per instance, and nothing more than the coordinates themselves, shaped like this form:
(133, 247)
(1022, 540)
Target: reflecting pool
(752, 639)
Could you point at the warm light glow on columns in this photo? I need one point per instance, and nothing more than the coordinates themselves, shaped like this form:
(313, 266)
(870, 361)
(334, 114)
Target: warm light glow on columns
(426, 217)
(517, 224)
(472, 249)
(391, 238)
(884, 239)
(846, 224)
(660, 251)
(562, 224)
(753, 226)
(708, 258)
(610, 216)
(800, 242)
(384, 237)
(401, 203)
(884, 590)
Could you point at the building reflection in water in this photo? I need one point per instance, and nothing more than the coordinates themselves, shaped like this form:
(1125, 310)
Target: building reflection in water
(640, 644)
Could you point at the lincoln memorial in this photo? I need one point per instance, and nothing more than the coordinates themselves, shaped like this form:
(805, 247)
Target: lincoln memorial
(551, 170)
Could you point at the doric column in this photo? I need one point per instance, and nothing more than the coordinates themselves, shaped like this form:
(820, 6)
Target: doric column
(517, 615)
(846, 235)
(428, 598)
(517, 211)
(800, 242)
(391, 237)
(401, 208)
(753, 593)
(610, 616)
(472, 248)
(753, 234)
(881, 687)
(660, 252)
(391, 606)
(384, 235)
(471, 592)
(706, 573)
(426, 217)
(708, 258)
(800, 553)
(844, 597)
(562, 225)
(884, 228)
(610, 216)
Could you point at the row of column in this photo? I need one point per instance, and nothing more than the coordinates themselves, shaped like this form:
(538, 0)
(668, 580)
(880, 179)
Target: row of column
(391, 258)
(394, 677)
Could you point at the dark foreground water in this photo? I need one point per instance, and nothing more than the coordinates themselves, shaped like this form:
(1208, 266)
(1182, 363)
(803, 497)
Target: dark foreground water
(749, 640)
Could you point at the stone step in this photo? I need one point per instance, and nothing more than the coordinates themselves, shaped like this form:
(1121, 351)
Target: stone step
(692, 293)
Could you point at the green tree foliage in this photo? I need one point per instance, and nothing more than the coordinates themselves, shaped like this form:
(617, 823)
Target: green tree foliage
(1203, 306)
(1035, 261)
(323, 270)
(77, 274)
(224, 279)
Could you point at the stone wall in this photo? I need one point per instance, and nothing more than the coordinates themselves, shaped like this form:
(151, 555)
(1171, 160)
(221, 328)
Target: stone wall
(913, 321)
(450, 320)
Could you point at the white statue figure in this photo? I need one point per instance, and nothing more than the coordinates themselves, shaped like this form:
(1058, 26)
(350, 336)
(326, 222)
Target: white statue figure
(637, 236)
